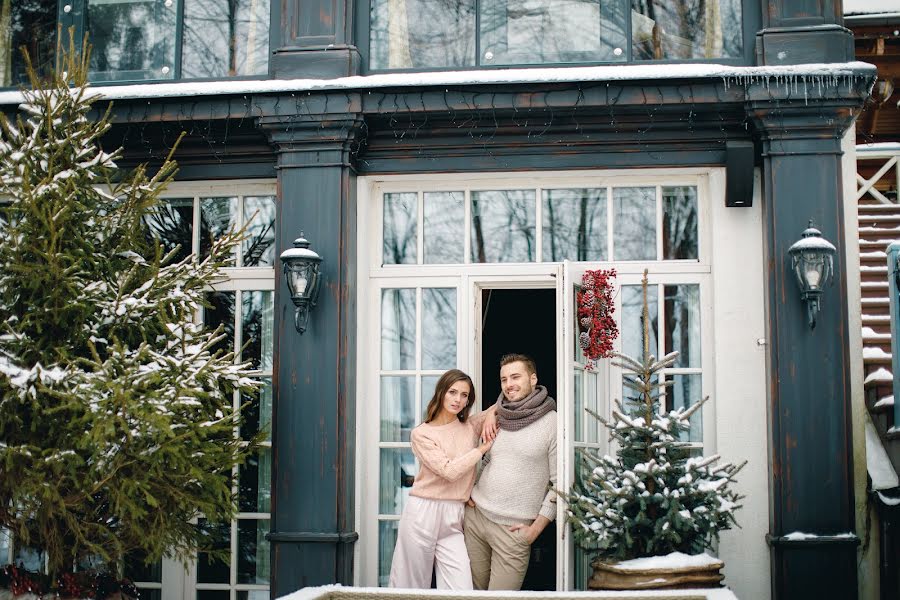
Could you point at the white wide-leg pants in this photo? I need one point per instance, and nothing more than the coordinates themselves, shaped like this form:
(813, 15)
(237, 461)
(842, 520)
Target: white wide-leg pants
(430, 537)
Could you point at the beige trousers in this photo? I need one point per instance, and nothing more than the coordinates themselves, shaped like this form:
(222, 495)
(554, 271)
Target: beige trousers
(499, 557)
(430, 539)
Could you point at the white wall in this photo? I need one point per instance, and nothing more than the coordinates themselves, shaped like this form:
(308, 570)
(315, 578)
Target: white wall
(740, 386)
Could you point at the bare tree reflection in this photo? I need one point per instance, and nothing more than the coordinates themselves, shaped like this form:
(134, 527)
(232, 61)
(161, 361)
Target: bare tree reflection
(686, 29)
(225, 38)
(503, 226)
(30, 24)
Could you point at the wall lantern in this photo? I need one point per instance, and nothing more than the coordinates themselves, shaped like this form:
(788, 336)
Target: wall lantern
(812, 258)
(301, 270)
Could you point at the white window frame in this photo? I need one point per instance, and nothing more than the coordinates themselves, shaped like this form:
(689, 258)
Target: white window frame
(471, 277)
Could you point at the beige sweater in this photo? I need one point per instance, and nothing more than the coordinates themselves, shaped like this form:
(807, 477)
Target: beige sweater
(448, 455)
(513, 487)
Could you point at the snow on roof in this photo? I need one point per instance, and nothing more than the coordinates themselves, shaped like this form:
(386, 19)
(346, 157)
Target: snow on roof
(878, 147)
(474, 77)
(871, 7)
(878, 464)
(872, 352)
(886, 401)
(887, 500)
(870, 334)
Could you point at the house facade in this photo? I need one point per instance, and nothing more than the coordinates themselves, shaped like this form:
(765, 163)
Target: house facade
(459, 165)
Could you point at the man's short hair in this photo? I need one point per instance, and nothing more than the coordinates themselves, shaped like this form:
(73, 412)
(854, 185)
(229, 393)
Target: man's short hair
(526, 360)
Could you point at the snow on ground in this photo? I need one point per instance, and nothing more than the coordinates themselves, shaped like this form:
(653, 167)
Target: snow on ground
(338, 592)
(814, 73)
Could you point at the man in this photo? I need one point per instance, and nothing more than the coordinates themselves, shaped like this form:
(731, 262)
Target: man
(512, 502)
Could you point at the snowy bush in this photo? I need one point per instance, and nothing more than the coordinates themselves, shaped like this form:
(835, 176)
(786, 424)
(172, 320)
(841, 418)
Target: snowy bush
(116, 418)
(652, 498)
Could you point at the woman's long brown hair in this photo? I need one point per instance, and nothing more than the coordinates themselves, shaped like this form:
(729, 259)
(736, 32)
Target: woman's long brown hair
(445, 383)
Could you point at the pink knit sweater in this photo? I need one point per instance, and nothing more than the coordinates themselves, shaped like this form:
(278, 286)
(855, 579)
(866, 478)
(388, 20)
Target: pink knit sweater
(448, 455)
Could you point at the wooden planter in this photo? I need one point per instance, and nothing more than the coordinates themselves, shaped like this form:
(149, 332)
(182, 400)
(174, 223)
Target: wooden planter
(608, 576)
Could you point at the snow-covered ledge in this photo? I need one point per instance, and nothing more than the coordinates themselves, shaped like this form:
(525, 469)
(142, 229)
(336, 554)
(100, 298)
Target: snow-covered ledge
(337, 592)
(815, 74)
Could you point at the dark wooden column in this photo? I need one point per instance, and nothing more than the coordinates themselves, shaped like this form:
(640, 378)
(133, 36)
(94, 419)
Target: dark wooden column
(810, 449)
(315, 39)
(313, 434)
(803, 31)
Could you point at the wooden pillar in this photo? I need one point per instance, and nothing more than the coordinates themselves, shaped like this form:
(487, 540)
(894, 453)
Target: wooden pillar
(313, 433)
(315, 39)
(811, 468)
(803, 31)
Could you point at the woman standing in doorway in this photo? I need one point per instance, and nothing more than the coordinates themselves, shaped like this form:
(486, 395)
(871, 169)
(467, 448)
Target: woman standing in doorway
(430, 535)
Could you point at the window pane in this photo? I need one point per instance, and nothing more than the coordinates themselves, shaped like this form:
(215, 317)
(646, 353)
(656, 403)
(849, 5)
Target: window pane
(218, 538)
(422, 33)
(400, 214)
(679, 223)
(429, 384)
(592, 425)
(5, 546)
(398, 471)
(445, 223)
(682, 314)
(255, 488)
(631, 326)
(259, 247)
(217, 217)
(213, 595)
(221, 312)
(258, 413)
(172, 223)
(634, 223)
(503, 226)
(225, 38)
(137, 570)
(257, 331)
(29, 558)
(387, 540)
(549, 31)
(254, 557)
(685, 393)
(252, 595)
(397, 408)
(574, 225)
(580, 415)
(150, 594)
(398, 329)
(32, 24)
(675, 29)
(131, 39)
(438, 328)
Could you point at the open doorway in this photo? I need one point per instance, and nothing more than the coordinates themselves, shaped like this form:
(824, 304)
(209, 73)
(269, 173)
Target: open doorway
(522, 321)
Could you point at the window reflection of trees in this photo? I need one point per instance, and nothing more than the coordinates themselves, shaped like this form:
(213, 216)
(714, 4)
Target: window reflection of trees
(30, 24)
(400, 242)
(634, 223)
(438, 328)
(574, 225)
(131, 40)
(422, 33)
(503, 227)
(172, 225)
(225, 38)
(684, 29)
(259, 247)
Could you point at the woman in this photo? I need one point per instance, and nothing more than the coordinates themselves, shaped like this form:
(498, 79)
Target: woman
(430, 535)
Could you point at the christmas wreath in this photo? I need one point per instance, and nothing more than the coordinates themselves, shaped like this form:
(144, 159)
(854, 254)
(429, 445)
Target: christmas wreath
(596, 326)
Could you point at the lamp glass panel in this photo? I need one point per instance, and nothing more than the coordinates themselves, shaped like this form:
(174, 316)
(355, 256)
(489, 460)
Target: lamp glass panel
(503, 226)
(299, 280)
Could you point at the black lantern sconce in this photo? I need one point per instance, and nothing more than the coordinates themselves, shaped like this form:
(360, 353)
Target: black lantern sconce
(812, 258)
(301, 270)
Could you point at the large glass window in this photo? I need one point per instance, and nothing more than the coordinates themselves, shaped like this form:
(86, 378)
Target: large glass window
(422, 34)
(620, 223)
(138, 40)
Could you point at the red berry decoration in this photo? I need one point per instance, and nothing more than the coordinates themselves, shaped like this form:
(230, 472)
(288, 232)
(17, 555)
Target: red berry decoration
(598, 329)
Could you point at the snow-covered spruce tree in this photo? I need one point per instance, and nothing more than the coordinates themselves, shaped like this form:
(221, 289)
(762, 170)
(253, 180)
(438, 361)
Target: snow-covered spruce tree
(653, 498)
(116, 420)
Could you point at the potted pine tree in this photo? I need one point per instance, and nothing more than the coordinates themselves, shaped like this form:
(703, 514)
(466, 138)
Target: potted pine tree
(650, 513)
(116, 419)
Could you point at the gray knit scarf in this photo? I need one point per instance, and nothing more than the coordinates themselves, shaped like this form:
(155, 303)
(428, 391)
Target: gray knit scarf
(514, 416)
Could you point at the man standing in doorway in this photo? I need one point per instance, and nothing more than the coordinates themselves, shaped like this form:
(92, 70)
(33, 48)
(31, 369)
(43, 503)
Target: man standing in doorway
(512, 502)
